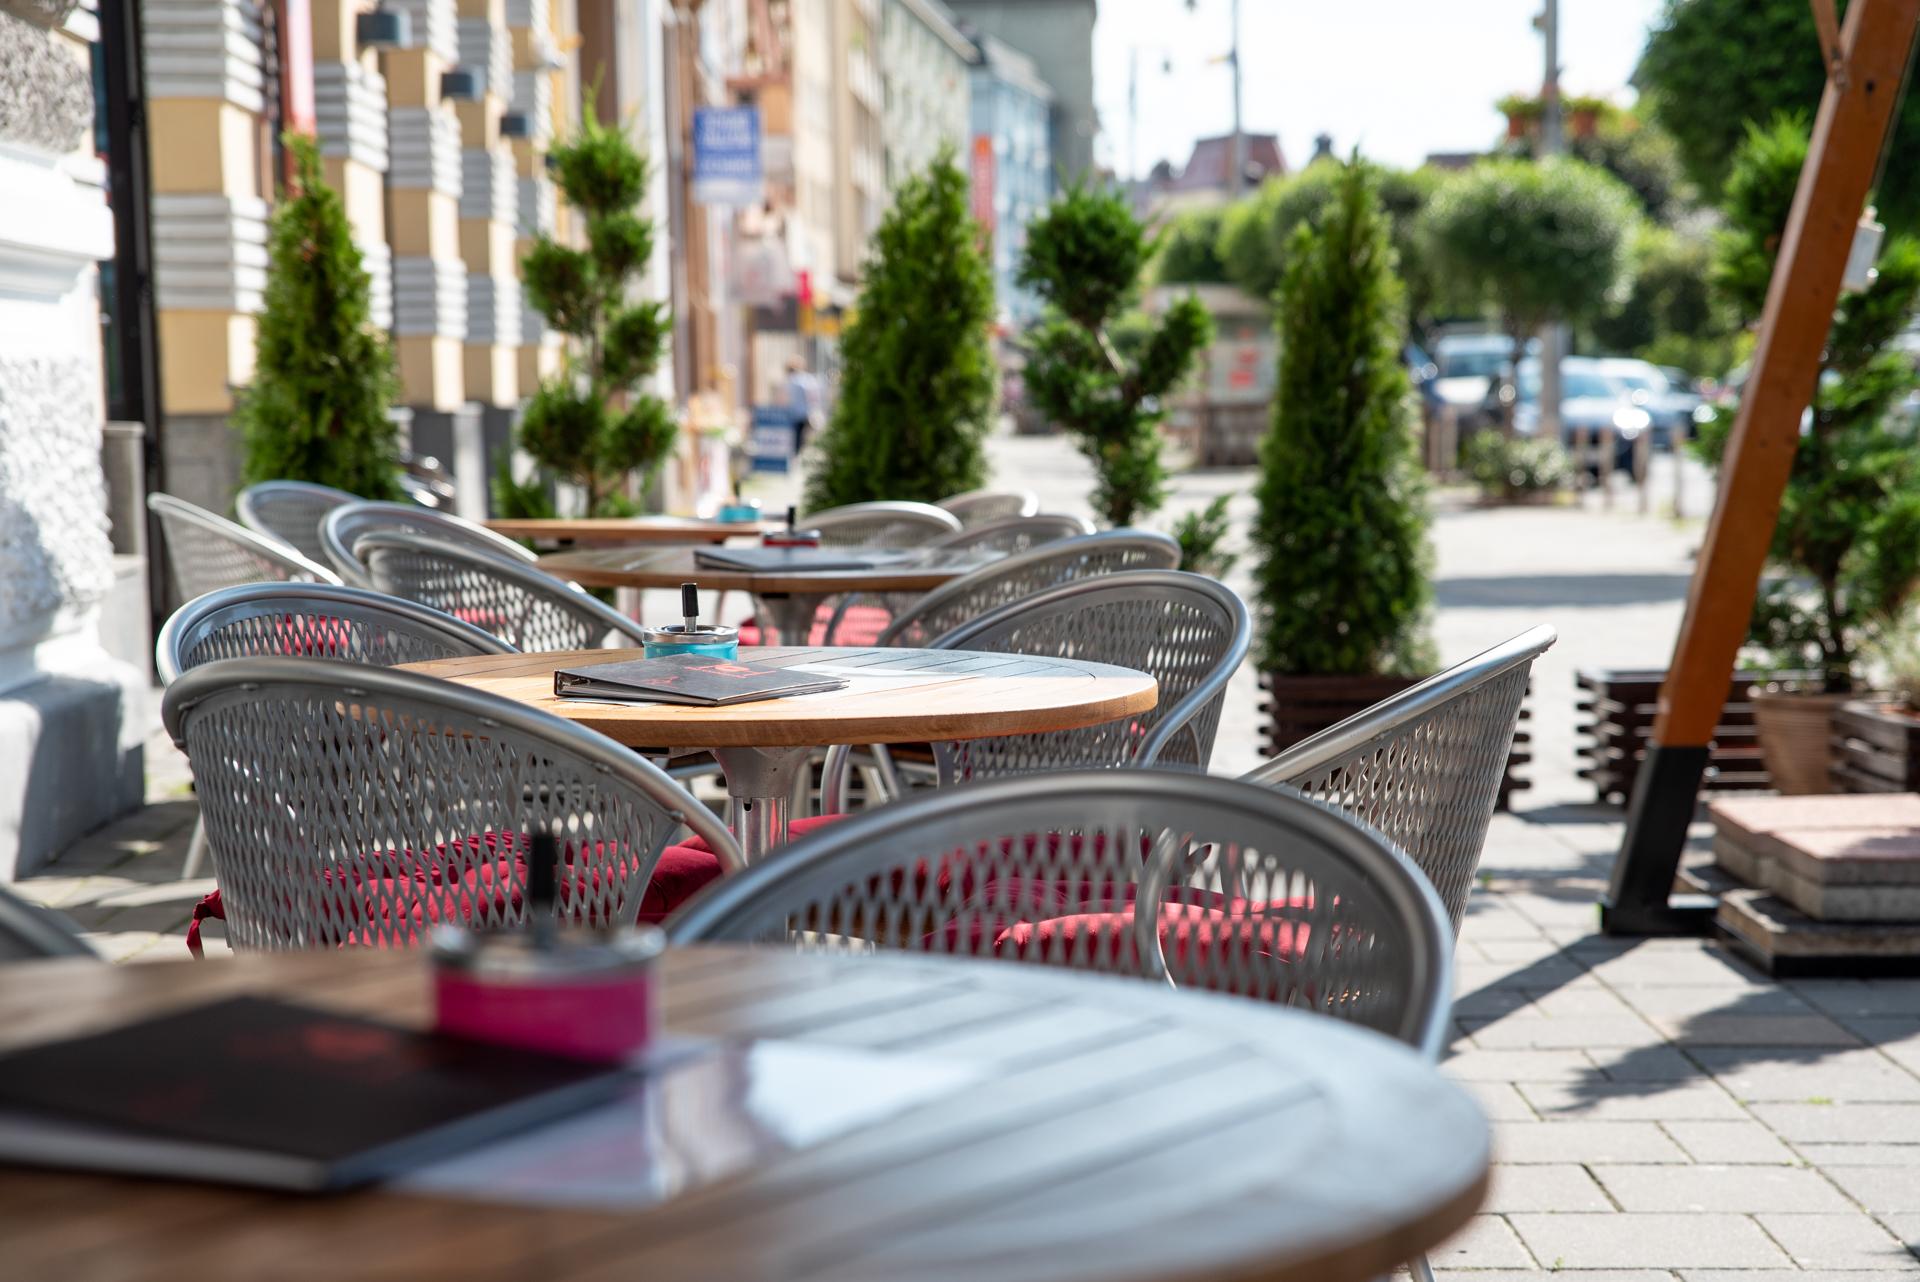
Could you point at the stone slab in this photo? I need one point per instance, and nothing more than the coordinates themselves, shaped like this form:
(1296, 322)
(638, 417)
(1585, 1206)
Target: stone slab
(1786, 941)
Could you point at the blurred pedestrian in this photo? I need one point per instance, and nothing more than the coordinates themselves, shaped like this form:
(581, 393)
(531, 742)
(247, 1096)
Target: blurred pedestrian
(803, 399)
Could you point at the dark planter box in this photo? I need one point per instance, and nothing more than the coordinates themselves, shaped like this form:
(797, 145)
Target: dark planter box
(1876, 747)
(1616, 713)
(1297, 707)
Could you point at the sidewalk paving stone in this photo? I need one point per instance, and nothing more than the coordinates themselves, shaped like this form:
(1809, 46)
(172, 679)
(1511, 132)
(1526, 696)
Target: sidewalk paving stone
(1729, 1143)
(1636, 1241)
(1488, 1242)
(1744, 1189)
(1843, 1123)
(1474, 1065)
(1585, 1142)
(1881, 1189)
(1606, 1101)
(1837, 1242)
(1797, 1074)
(1647, 1064)
(1546, 1188)
(1826, 1155)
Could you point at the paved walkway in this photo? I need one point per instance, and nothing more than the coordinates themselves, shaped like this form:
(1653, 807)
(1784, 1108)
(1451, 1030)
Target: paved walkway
(1660, 1111)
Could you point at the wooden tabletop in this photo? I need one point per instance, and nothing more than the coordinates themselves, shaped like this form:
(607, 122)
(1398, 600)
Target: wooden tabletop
(1109, 1129)
(629, 529)
(893, 696)
(670, 567)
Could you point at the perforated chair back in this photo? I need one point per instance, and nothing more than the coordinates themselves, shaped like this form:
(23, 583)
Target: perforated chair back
(29, 932)
(976, 507)
(207, 552)
(291, 511)
(1188, 631)
(523, 606)
(361, 806)
(343, 529)
(1021, 574)
(881, 525)
(1009, 534)
(1424, 767)
(1062, 870)
(313, 621)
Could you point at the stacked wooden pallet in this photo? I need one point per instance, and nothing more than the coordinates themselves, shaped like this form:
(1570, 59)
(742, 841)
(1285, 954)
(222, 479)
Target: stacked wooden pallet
(1616, 710)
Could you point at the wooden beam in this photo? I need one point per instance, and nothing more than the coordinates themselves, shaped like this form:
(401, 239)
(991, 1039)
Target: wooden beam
(1855, 112)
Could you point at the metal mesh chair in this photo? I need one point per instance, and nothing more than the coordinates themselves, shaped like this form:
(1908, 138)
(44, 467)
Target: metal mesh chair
(1190, 632)
(359, 806)
(1005, 537)
(891, 525)
(1079, 870)
(1424, 767)
(976, 507)
(291, 511)
(29, 932)
(523, 606)
(1024, 573)
(345, 527)
(315, 621)
(206, 552)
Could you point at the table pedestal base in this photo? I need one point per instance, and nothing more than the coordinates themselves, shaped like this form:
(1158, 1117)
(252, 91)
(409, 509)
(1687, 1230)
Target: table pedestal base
(789, 613)
(760, 785)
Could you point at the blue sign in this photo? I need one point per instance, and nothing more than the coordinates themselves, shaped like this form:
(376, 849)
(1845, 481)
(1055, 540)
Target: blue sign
(726, 156)
(773, 438)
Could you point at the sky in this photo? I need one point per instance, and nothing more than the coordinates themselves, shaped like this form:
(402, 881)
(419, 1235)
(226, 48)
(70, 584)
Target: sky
(1399, 78)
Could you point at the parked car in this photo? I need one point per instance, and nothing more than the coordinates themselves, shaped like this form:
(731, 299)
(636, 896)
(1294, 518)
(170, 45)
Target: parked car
(1590, 402)
(1469, 369)
(1669, 403)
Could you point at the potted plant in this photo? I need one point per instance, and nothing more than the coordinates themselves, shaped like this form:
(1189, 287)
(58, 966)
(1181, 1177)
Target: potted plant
(1341, 530)
(1516, 469)
(1095, 365)
(1846, 550)
(1523, 114)
(323, 375)
(917, 374)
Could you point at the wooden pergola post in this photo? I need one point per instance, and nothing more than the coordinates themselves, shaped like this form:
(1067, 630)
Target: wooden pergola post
(1856, 110)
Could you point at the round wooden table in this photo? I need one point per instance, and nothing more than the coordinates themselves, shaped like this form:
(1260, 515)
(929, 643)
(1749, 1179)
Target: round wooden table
(628, 530)
(893, 696)
(787, 599)
(1108, 1129)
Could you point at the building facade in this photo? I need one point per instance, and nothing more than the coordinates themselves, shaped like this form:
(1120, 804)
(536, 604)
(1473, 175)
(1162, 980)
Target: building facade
(1058, 36)
(925, 77)
(1011, 163)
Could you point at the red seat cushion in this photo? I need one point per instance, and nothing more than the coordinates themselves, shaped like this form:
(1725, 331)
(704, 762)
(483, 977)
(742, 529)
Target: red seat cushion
(396, 895)
(1191, 935)
(860, 625)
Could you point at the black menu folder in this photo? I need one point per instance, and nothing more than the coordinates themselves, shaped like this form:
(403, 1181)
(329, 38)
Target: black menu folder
(702, 680)
(765, 560)
(255, 1091)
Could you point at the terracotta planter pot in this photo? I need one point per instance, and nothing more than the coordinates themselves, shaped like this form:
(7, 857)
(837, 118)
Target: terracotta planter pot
(1795, 730)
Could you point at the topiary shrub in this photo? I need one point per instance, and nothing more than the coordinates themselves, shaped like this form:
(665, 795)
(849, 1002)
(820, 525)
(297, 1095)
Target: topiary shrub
(1094, 369)
(1518, 468)
(1342, 523)
(323, 373)
(918, 375)
(1202, 536)
(594, 424)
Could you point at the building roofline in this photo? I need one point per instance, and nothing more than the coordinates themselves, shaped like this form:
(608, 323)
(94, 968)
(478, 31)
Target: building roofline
(939, 20)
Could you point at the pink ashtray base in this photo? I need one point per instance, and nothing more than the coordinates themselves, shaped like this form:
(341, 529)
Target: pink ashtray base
(602, 1018)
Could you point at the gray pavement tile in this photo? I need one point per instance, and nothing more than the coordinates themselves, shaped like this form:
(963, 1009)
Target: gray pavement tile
(1534, 1143)
(1796, 1074)
(1489, 1003)
(1682, 1001)
(129, 945)
(1730, 1142)
(1838, 1242)
(1583, 1001)
(1471, 975)
(1517, 1066)
(1825, 1155)
(1683, 963)
(1647, 1064)
(1754, 1030)
(1905, 1226)
(1842, 1123)
(1599, 1101)
(1529, 1031)
(1881, 1189)
(1569, 1275)
(1783, 1275)
(1501, 1102)
(1487, 1242)
(1861, 997)
(1741, 1189)
(1642, 1241)
(1545, 1188)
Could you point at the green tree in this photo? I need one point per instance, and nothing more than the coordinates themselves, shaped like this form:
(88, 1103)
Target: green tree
(1668, 312)
(593, 424)
(1847, 546)
(1342, 522)
(1713, 67)
(1095, 371)
(1257, 230)
(323, 373)
(1537, 242)
(918, 375)
(1638, 152)
(1189, 249)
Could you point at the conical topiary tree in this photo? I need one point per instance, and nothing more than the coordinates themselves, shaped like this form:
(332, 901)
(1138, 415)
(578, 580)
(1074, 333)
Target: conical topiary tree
(592, 424)
(917, 376)
(1096, 370)
(323, 373)
(1342, 522)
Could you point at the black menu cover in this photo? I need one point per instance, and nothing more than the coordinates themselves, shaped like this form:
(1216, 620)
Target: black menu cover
(702, 680)
(766, 560)
(255, 1091)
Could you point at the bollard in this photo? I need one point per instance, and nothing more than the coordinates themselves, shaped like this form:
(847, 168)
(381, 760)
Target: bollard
(1642, 460)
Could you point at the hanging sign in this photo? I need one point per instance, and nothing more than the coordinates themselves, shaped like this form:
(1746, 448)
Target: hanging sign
(726, 156)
